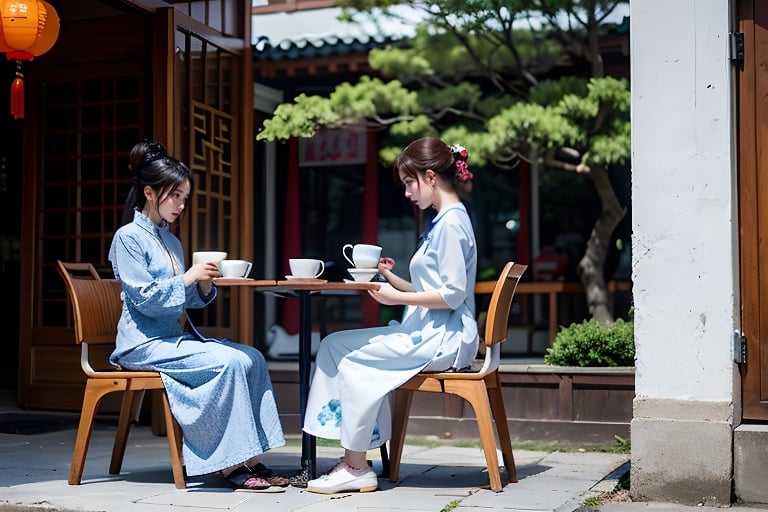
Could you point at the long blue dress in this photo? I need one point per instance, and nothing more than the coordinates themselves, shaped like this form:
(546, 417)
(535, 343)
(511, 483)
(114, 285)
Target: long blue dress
(219, 390)
(355, 370)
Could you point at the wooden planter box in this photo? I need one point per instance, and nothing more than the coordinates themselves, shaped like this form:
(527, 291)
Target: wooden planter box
(564, 403)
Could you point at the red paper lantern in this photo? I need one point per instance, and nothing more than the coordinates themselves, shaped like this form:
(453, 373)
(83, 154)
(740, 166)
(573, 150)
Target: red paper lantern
(28, 28)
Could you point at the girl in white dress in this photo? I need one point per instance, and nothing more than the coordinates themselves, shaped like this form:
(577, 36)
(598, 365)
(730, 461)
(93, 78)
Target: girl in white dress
(357, 369)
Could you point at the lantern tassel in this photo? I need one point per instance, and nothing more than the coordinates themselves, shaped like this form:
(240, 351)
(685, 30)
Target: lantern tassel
(17, 93)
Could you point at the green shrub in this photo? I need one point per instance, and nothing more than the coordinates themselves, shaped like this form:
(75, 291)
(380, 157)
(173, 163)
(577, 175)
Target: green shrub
(592, 343)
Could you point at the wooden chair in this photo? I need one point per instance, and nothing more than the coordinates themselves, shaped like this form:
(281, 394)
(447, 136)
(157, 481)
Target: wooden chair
(479, 386)
(96, 307)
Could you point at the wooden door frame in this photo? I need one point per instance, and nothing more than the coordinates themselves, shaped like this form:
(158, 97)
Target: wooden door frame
(166, 128)
(753, 216)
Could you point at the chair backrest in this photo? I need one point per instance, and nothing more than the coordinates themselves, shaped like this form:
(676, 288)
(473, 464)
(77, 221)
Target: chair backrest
(96, 303)
(497, 319)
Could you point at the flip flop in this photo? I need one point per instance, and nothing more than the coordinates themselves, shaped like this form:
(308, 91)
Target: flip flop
(243, 480)
(278, 481)
(262, 471)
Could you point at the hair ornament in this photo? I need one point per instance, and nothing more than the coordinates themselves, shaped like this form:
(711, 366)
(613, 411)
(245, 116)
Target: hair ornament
(155, 151)
(459, 152)
(460, 155)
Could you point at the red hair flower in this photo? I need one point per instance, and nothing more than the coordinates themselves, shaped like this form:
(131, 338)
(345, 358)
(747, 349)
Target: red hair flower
(460, 155)
(463, 172)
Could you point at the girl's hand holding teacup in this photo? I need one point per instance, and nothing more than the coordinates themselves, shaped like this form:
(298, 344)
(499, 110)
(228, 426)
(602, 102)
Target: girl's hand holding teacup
(202, 273)
(386, 264)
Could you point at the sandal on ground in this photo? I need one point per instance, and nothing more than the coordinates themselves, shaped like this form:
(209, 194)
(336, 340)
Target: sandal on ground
(278, 481)
(243, 480)
(261, 471)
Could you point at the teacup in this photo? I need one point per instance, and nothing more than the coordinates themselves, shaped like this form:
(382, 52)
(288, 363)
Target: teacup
(363, 255)
(208, 256)
(306, 267)
(235, 268)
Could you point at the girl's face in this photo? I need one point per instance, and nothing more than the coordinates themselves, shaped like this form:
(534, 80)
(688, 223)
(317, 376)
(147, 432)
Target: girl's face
(419, 189)
(170, 206)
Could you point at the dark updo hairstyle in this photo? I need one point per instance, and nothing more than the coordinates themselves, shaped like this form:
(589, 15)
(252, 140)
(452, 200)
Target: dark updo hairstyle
(151, 165)
(432, 153)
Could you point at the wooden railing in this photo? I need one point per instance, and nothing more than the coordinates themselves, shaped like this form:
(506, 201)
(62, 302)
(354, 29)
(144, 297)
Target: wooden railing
(551, 289)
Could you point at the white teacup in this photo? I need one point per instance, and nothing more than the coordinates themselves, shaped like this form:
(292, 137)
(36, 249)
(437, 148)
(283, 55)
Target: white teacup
(235, 268)
(208, 256)
(306, 267)
(363, 255)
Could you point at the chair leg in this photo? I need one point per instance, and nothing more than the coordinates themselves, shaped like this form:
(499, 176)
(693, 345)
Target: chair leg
(403, 399)
(173, 431)
(157, 415)
(94, 392)
(476, 394)
(128, 414)
(500, 419)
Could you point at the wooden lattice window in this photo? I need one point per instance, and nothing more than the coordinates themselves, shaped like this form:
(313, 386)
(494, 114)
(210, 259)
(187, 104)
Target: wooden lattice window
(89, 125)
(206, 113)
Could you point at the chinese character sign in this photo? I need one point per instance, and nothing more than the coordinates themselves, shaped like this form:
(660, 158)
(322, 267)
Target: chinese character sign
(333, 147)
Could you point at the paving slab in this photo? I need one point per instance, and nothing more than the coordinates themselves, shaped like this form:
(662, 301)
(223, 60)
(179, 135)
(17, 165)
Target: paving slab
(34, 466)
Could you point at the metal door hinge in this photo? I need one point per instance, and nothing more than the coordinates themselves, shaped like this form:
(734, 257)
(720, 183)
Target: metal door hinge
(736, 43)
(739, 348)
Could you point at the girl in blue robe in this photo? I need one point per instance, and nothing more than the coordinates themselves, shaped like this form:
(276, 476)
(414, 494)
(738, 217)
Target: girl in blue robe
(357, 369)
(219, 391)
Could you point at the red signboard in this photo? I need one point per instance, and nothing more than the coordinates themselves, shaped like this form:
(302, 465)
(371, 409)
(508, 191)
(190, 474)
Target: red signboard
(333, 147)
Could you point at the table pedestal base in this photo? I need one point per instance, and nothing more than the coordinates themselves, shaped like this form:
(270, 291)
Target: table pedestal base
(300, 479)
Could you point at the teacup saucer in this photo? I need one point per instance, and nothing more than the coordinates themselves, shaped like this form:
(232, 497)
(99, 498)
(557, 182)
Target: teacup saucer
(299, 277)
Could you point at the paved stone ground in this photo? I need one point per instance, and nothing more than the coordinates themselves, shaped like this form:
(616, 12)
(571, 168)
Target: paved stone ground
(30, 508)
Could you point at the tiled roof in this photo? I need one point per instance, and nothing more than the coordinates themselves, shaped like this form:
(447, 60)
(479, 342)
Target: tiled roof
(325, 46)
(321, 46)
